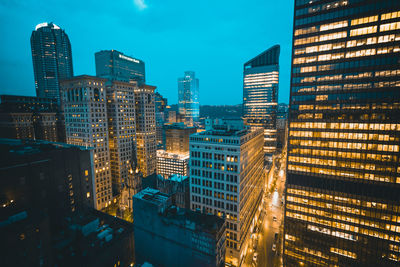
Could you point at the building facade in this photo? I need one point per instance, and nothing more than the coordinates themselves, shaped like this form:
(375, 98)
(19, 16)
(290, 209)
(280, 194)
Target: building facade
(177, 138)
(188, 97)
(146, 129)
(226, 179)
(171, 163)
(114, 65)
(26, 117)
(181, 237)
(85, 110)
(161, 108)
(122, 136)
(260, 94)
(343, 187)
(52, 59)
(177, 187)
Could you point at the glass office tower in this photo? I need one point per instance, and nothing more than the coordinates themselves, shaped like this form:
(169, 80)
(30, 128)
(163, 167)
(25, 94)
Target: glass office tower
(343, 184)
(52, 59)
(115, 66)
(188, 97)
(260, 94)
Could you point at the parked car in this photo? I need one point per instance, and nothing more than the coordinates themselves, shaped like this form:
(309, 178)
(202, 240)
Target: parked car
(276, 236)
(273, 247)
(274, 219)
(255, 256)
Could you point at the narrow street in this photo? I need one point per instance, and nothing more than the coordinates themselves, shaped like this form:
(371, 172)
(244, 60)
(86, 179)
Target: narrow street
(270, 233)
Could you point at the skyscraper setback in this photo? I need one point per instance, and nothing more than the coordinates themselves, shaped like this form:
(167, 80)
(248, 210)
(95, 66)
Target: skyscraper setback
(188, 97)
(260, 94)
(343, 185)
(52, 59)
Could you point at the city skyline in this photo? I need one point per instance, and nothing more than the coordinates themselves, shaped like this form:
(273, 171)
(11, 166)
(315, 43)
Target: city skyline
(163, 42)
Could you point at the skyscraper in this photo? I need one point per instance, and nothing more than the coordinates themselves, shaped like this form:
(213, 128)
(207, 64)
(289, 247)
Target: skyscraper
(52, 59)
(114, 65)
(188, 97)
(146, 129)
(226, 179)
(260, 94)
(122, 137)
(343, 178)
(85, 109)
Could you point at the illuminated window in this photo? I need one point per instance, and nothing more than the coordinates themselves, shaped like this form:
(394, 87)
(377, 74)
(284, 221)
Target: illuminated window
(364, 30)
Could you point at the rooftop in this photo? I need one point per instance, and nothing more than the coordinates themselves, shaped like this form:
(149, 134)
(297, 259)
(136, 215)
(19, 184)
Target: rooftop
(152, 195)
(13, 149)
(182, 217)
(165, 154)
(47, 24)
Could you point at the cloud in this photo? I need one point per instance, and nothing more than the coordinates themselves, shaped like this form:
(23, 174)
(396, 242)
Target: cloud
(140, 4)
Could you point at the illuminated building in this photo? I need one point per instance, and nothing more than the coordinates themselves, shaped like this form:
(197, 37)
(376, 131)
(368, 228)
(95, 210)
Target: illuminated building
(343, 185)
(52, 59)
(177, 138)
(166, 235)
(85, 111)
(226, 179)
(172, 163)
(188, 97)
(146, 129)
(27, 117)
(114, 65)
(260, 94)
(122, 137)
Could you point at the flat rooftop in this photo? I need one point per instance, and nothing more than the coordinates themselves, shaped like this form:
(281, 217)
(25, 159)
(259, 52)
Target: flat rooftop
(170, 155)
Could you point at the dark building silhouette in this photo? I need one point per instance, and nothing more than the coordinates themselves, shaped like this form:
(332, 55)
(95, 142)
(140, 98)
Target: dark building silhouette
(26, 117)
(52, 59)
(47, 216)
(260, 94)
(169, 236)
(343, 188)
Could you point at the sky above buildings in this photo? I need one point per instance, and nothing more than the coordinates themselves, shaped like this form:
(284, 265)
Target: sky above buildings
(214, 38)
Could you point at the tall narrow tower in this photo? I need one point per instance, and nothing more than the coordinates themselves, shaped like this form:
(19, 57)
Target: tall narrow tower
(52, 59)
(188, 97)
(260, 94)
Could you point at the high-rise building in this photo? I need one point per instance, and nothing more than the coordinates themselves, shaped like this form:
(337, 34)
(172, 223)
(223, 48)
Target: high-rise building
(343, 186)
(188, 97)
(169, 236)
(27, 117)
(85, 109)
(146, 129)
(226, 179)
(122, 137)
(260, 94)
(52, 59)
(160, 105)
(114, 65)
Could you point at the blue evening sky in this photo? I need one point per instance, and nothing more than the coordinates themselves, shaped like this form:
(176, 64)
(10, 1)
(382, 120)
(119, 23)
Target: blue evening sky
(211, 37)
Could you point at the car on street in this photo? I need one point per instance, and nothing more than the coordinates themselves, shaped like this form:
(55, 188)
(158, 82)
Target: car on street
(273, 247)
(255, 256)
(274, 218)
(276, 236)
